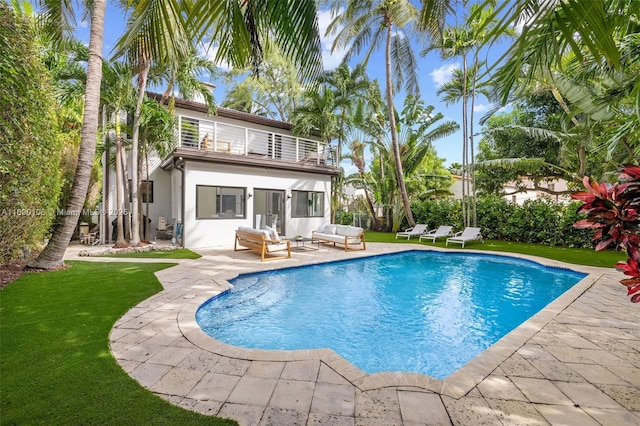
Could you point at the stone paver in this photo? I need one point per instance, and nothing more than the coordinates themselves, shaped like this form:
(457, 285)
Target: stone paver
(577, 362)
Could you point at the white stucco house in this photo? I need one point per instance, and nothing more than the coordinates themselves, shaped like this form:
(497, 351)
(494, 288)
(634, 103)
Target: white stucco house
(229, 170)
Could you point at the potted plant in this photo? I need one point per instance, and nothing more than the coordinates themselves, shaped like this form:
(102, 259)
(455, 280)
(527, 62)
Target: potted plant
(614, 211)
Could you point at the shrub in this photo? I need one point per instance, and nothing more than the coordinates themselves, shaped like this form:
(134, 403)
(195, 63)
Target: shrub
(540, 221)
(30, 150)
(614, 211)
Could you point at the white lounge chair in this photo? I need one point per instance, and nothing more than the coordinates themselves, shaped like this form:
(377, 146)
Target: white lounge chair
(434, 234)
(419, 229)
(469, 234)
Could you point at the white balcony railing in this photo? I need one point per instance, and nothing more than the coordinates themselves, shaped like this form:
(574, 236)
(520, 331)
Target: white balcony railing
(217, 137)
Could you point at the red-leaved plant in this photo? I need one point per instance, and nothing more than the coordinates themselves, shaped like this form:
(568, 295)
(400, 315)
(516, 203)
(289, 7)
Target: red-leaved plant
(614, 211)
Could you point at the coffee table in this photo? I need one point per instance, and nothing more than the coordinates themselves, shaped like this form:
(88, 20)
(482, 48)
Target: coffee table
(300, 243)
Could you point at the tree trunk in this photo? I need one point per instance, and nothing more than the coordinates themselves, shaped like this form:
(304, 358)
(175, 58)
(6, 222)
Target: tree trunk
(135, 207)
(474, 198)
(120, 239)
(465, 144)
(394, 134)
(53, 254)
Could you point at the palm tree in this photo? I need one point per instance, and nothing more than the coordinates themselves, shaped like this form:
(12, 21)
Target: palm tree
(184, 75)
(239, 29)
(377, 22)
(156, 31)
(368, 24)
(118, 97)
(157, 129)
(55, 13)
(461, 42)
(350, 87)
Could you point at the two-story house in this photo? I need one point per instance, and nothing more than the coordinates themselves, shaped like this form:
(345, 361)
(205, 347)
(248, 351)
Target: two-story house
(229, 170)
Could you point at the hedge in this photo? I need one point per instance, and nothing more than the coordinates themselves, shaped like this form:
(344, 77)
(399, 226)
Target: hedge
(540, 221)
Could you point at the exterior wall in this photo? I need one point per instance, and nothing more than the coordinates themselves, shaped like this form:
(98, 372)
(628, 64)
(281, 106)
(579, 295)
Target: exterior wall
(215, 232)
(161, 205)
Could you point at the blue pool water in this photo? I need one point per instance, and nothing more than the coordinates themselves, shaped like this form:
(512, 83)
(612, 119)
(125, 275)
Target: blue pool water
(416, 311)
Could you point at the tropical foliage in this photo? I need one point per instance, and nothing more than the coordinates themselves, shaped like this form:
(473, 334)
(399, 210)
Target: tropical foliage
(541, 221)
(31, 150)
(614, 211)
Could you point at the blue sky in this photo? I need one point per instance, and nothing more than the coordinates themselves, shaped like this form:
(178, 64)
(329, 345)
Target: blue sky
(432, 73)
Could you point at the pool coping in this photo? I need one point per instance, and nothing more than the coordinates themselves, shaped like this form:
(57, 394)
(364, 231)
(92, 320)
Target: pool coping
(456, 385)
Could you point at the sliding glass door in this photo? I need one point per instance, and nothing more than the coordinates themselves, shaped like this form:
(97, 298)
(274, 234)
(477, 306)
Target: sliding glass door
(268, 209)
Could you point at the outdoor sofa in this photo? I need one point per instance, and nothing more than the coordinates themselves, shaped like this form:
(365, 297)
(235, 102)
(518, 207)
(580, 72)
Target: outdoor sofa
(263, 240)
(346, 235)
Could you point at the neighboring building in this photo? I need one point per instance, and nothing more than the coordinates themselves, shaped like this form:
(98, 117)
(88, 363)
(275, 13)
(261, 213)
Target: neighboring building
(530, 193)
(229, 170)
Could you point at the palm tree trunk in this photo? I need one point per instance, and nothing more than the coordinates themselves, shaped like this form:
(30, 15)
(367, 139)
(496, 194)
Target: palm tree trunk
(465, 155)
(394, 133)
(146, 221)
(120, 239)
(135, 207)
(474, 199)
(53, 254)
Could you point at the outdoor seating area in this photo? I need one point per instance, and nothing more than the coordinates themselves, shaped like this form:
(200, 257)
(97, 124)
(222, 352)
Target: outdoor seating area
(263, 241)
(346, 235)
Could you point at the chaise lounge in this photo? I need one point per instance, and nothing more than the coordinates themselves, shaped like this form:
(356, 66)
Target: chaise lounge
(419, 229)
(434, 234)
(469, 234)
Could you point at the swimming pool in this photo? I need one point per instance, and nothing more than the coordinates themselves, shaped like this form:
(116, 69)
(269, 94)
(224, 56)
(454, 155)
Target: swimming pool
(416, 311)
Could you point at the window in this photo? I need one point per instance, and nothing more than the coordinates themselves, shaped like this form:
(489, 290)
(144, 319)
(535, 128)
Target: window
(307, 204)
(146, 190)
(220, 202)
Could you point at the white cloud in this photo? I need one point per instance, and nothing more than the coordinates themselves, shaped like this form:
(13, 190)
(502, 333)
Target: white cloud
(480, 108)
(329, 59)
(443, 74)
(210, 51)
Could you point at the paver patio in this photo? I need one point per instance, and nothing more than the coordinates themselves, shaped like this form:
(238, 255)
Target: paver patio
(577, 362)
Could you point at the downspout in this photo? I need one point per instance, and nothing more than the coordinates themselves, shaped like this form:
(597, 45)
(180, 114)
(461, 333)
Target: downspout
(179, 165)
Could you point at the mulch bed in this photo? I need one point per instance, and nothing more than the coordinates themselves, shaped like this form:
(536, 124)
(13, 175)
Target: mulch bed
(11, 271)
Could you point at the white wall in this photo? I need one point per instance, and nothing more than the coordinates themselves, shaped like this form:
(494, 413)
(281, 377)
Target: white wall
(200, 233)
(161, 205)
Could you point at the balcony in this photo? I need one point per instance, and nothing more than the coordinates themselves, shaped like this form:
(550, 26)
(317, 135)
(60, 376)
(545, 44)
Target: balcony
(232, 143)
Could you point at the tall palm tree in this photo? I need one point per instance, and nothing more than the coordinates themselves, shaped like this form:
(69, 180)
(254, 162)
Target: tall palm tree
(118, 98)
(156, 31)
(350, 87)
(185, 77)
(56, 14)
(157, 130)
(369, 24)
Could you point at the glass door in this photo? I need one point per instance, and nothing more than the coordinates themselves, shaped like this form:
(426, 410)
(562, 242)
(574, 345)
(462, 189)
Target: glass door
(268, 209)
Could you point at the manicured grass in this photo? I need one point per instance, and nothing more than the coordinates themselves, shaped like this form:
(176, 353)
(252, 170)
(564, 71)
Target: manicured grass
(55, 363)
(159, 254)
(586, 257)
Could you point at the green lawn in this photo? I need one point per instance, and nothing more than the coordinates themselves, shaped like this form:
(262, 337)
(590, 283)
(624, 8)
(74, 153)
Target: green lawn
(55, 363)
(570, 255)
(159, 254)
